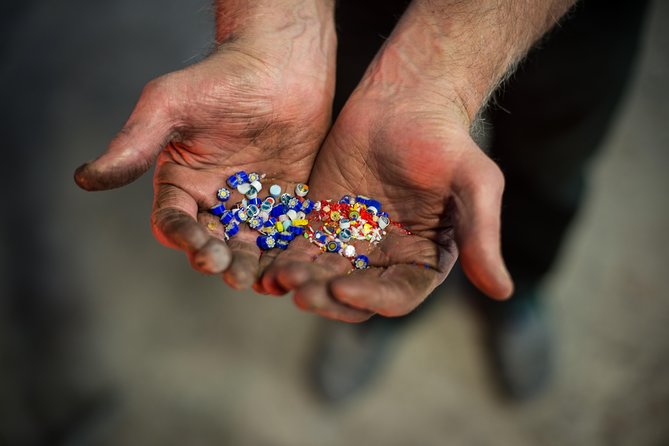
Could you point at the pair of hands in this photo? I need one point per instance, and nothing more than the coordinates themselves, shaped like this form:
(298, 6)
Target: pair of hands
(264, 106)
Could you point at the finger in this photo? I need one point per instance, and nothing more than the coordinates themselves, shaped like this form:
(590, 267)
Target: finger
(214, 256)
(479, 204)
(321, 268)
(313, 293)
(135, 148)
(392, 291)
(315, 298)
(173, 221)
(243, 270)
(294, 265)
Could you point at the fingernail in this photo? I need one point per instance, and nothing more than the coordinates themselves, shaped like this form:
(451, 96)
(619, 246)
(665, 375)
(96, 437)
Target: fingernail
(79, 178)
(506, 277)
(213, 258)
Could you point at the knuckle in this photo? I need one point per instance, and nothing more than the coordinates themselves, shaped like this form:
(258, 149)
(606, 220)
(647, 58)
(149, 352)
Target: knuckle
(154, 87)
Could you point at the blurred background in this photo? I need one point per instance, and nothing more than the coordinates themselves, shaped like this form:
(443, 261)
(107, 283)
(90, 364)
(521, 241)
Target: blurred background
(107, 338)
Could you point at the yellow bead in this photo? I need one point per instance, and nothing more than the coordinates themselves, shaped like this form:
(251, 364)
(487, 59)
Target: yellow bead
(300, 222)
(279, 226)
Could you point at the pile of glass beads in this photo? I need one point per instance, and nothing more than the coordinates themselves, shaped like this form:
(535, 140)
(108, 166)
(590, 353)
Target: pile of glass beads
(281, 217)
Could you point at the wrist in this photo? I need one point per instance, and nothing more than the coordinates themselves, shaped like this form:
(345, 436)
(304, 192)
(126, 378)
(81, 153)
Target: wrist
(461, 51)
(280, 32)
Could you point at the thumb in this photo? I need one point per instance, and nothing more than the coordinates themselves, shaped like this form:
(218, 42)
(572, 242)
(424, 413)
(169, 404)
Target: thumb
(132, 152)
(481, 184)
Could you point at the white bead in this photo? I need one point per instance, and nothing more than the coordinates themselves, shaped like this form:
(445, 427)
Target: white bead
(301, 190)
(349, 251)
(275, 190)
(292, 214)
(257, 185)
(383, 222)
(252, 193)
(244, 188)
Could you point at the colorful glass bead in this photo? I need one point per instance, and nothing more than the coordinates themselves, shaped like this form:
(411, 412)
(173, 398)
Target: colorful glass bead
(361, 262)
(217, 209)
(332, 246)
(223, 194)
(301, 190)
(227, 217)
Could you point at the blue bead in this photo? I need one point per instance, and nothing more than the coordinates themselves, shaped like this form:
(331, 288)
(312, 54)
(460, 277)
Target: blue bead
(265, 242)
(277, 211)
(332, 246)
(294, 204)
(233, 181)
(362, 200)
(345, 235)
(361, 262)
(307, 206)
(285, 198)
(242, 176)
(320, 237)
(232, 229)
(227, 217)
(252, 210)
(241, 215)
(296, 230)
(282, 244)
(270, 222)
(256, 223)
(218, 209)
(223, 194)
(255, 201)
(286, 236)
(346, 199)
(383, 214)
(374, 204)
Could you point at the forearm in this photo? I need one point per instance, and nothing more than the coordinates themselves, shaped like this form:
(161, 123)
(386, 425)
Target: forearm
(242, 18)
(463, 49)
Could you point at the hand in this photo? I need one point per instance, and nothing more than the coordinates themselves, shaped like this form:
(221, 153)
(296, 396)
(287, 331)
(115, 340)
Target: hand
(403, 138)
(410, 149)
(260, 107)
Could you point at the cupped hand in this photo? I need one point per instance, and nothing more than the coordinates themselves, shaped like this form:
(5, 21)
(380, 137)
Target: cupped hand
(411, 150)
(255, 108)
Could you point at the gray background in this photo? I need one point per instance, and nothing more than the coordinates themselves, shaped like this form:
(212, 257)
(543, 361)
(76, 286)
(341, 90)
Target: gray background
(108, 338)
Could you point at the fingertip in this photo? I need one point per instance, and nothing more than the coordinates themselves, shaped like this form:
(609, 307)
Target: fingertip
(80, 177)
(293, 276)
(213, 258)
(258, 287)
(270, 285)
(100, 175)
(242, 272)
(493, 279)
(505, 284)
(345, 290)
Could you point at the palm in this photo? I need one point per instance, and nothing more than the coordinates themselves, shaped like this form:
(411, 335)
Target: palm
(234, 111)
(414, 163)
